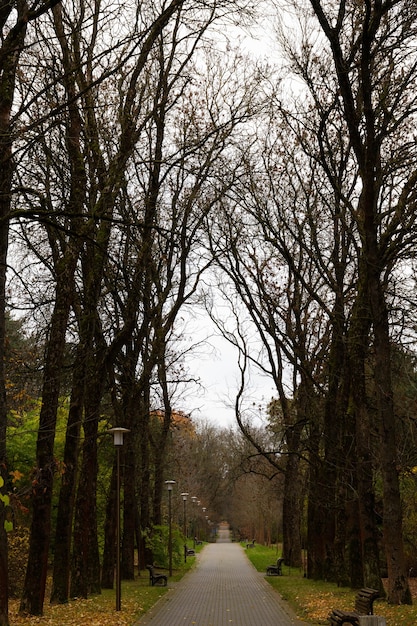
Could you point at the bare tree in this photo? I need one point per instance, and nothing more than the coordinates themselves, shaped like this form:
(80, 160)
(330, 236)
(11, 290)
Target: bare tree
(77, 81)
(15, 17)
(110, 104)
(182, 182)
(375, 76)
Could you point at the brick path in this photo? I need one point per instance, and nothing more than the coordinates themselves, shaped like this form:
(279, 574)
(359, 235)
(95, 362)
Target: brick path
(223, 589)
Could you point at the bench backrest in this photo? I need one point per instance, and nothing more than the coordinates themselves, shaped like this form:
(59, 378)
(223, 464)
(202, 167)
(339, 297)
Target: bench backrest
(364, 602)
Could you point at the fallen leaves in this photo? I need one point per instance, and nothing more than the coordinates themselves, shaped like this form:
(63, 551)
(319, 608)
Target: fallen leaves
(78, 612)
(317, 606)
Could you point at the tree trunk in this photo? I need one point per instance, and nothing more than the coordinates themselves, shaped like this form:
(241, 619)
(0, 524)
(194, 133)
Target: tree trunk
(336, 440)
(4, 580)
(85, 574)
(358, 349)
(292, 500)
(353, 541)
(129, 509)
(35, 582)
(398, 588)
(63, 532)
(144, 521)
(291, 514)
(316, 552)
(161, 442)
(109, 553)
(11, 47)
(5, 182)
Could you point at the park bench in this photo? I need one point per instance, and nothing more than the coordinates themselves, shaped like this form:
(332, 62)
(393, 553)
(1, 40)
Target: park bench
(251, 545)
(364, 603)
(198, 542)
(155, 578)
(276, 568)
(189, 551)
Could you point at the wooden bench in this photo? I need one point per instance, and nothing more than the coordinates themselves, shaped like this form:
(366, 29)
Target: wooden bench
(251, 545)
(364, 605)
(156, 578)
(189, 551)
(276, 569)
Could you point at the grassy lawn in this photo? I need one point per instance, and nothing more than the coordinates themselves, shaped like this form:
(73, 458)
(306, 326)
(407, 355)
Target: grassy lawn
(312, 600)
(137, 597)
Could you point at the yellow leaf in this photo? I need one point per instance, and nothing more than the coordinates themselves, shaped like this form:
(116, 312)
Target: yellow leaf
(16, 475)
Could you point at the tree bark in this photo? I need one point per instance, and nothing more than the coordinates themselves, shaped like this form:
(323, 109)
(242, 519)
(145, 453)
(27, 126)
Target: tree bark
(5, 182)
(316, 540)
(398, 588)
(291, 512)
(65, 515)
(85, 573)
(36, 573)
(358, 342)
(129, 507)
(109, 553)
(11, 46)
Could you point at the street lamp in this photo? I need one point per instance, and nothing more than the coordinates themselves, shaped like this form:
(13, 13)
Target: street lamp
(204, 509)
(197, 523)
(184, 499)
(118, 433)
(170, 484)
(194, 523)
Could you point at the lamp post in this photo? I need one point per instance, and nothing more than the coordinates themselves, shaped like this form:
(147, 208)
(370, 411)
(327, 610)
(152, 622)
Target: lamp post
(118, 433)
(204, 509)
(194, 524)
(197, 523)
(170, 484)
(184, 500)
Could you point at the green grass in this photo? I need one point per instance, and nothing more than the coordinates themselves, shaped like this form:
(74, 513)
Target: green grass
(137, 597)
(312, 600)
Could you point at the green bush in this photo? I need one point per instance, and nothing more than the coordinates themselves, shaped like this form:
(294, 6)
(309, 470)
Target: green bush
(156, 541)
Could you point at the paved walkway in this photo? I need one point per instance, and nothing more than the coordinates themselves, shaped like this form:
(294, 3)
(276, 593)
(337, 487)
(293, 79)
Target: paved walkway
(223, 589)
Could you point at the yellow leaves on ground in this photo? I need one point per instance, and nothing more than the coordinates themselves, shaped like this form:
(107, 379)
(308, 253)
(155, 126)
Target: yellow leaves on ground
(79, 612)
(318, 606)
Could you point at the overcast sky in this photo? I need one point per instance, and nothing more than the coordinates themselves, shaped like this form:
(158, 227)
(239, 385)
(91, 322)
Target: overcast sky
(215, 364)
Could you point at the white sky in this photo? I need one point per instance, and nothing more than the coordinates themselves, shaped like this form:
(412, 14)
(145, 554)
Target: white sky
(215, 364)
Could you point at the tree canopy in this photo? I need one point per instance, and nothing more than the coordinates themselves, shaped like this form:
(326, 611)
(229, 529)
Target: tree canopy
(152, 169)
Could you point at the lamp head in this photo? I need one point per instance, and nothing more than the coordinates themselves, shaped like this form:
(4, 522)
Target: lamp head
(118, 433)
